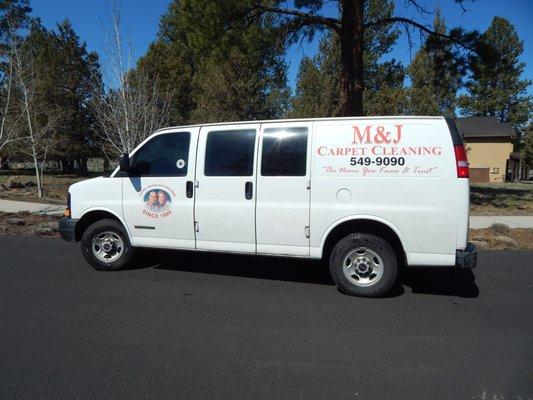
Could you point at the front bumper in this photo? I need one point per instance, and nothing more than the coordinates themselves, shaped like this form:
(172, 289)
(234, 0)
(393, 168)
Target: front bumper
(466, 258)
(67, 229)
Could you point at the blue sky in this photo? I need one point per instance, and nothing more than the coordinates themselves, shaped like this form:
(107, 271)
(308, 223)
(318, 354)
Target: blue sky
(141, 17)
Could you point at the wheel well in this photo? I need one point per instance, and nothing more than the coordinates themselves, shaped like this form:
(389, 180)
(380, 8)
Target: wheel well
(365, 226)
(90, 218)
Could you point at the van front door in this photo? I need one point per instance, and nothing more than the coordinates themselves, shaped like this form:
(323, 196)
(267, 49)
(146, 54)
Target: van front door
(226, 192)
(283, 189)
(158, 194)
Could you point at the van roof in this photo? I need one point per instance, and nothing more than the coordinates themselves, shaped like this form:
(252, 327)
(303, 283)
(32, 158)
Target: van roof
(298, 120)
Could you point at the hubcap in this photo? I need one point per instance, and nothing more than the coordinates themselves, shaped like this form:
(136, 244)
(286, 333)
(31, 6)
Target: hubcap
(107, 246)
(363, 266)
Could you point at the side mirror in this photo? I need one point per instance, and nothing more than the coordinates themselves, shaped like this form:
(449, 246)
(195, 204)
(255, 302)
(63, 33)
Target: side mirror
(124, 163)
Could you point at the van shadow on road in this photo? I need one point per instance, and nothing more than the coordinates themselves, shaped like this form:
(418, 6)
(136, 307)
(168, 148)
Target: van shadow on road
(435, 281)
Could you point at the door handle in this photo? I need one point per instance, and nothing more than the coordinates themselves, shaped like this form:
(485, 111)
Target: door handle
(189, 189)
(249, 190)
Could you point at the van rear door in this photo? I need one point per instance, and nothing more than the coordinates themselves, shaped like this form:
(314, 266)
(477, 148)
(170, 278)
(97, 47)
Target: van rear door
(226, 192)
(283, 189)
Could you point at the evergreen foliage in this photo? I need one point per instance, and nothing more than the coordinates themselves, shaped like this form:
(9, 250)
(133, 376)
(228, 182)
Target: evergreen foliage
(435, 76)
(495, 86)
(219, 67)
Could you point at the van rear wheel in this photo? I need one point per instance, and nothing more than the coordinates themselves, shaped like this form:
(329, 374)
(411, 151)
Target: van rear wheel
(364, 265)
(105, 245)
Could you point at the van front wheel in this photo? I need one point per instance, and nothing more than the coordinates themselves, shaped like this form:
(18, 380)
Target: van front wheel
(364, 265)
(105, 245)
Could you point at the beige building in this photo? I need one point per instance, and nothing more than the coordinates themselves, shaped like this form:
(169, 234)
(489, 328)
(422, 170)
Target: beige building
(489, 148)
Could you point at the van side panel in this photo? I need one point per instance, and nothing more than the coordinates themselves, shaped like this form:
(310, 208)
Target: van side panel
(97, 194)
(463, 212)
(401, 171)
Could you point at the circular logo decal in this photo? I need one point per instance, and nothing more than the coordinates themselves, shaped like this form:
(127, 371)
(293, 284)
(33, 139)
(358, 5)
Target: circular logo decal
(180, 163)
(156, 201)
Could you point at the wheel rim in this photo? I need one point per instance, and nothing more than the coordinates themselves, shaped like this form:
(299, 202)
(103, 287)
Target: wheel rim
(107, 247)
(363, 267)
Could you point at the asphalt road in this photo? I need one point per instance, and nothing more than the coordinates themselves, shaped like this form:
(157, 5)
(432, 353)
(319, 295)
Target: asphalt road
(217, 326)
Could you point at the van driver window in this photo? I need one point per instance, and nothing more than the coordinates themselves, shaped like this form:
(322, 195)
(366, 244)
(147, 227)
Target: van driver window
(164, 155)
(284, 152)
(230, 153)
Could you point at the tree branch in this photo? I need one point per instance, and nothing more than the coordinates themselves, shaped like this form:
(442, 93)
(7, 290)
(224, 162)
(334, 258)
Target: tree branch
(307, 18)
(417, 25)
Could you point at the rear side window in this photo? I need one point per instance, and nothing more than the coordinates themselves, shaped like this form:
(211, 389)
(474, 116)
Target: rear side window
(284, 152)
(164, 155)
(230, 153)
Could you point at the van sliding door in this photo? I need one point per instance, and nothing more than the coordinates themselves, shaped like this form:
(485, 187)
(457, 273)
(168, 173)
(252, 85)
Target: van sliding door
(226, 192)
(283, 189)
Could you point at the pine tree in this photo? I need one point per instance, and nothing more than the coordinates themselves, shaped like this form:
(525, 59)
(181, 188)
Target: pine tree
(495, 87)
(219, 68)
(78, 77)
(527, 150)
(435, 76)
(318, 83)
(66, 77)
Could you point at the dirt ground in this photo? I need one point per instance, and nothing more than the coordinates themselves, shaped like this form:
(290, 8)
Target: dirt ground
(512, 239)
(501, 199)
(496, 238)
(485, 199)
(27, 224)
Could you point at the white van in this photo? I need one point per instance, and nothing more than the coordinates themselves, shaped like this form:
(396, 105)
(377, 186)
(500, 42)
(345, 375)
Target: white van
(367, 194)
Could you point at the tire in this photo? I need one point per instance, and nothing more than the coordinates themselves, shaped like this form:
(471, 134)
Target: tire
(100, 235)
(373, 265)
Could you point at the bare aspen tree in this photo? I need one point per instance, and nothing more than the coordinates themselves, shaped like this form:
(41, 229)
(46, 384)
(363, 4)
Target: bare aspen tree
(35, 137)
(6, 134)
(132, 107)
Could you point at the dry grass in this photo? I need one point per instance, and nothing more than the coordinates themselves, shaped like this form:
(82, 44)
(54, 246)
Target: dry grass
(27, 224)
(55, 188)
(496, 239)
(501, 199)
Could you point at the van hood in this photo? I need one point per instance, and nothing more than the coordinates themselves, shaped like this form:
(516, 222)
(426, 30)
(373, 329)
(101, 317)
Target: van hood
(85, 183)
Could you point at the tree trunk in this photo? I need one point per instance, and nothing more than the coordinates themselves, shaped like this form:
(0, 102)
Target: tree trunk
(67, 165)
(82, 166)
(4, 162)
(351, 40)
(38, 175)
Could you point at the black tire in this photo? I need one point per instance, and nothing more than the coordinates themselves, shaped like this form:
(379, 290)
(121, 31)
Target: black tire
(98, 228)
(375, 244)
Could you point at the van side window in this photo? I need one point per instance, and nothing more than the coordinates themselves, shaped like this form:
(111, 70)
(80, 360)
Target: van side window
(284, 152)
(164, 155)
(230, 153)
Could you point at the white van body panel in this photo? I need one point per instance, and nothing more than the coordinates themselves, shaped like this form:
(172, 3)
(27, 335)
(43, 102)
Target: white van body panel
(283, 202)
(412, 202)
(463, 212)
(317, 252)
(421, 200)
(97, 194)
(225, 218)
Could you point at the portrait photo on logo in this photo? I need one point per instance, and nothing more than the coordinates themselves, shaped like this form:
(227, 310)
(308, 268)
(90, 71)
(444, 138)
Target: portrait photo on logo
(157, 200)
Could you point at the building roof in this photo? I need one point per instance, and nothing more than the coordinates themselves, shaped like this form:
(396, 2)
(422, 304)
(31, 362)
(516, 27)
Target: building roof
(472, 127)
